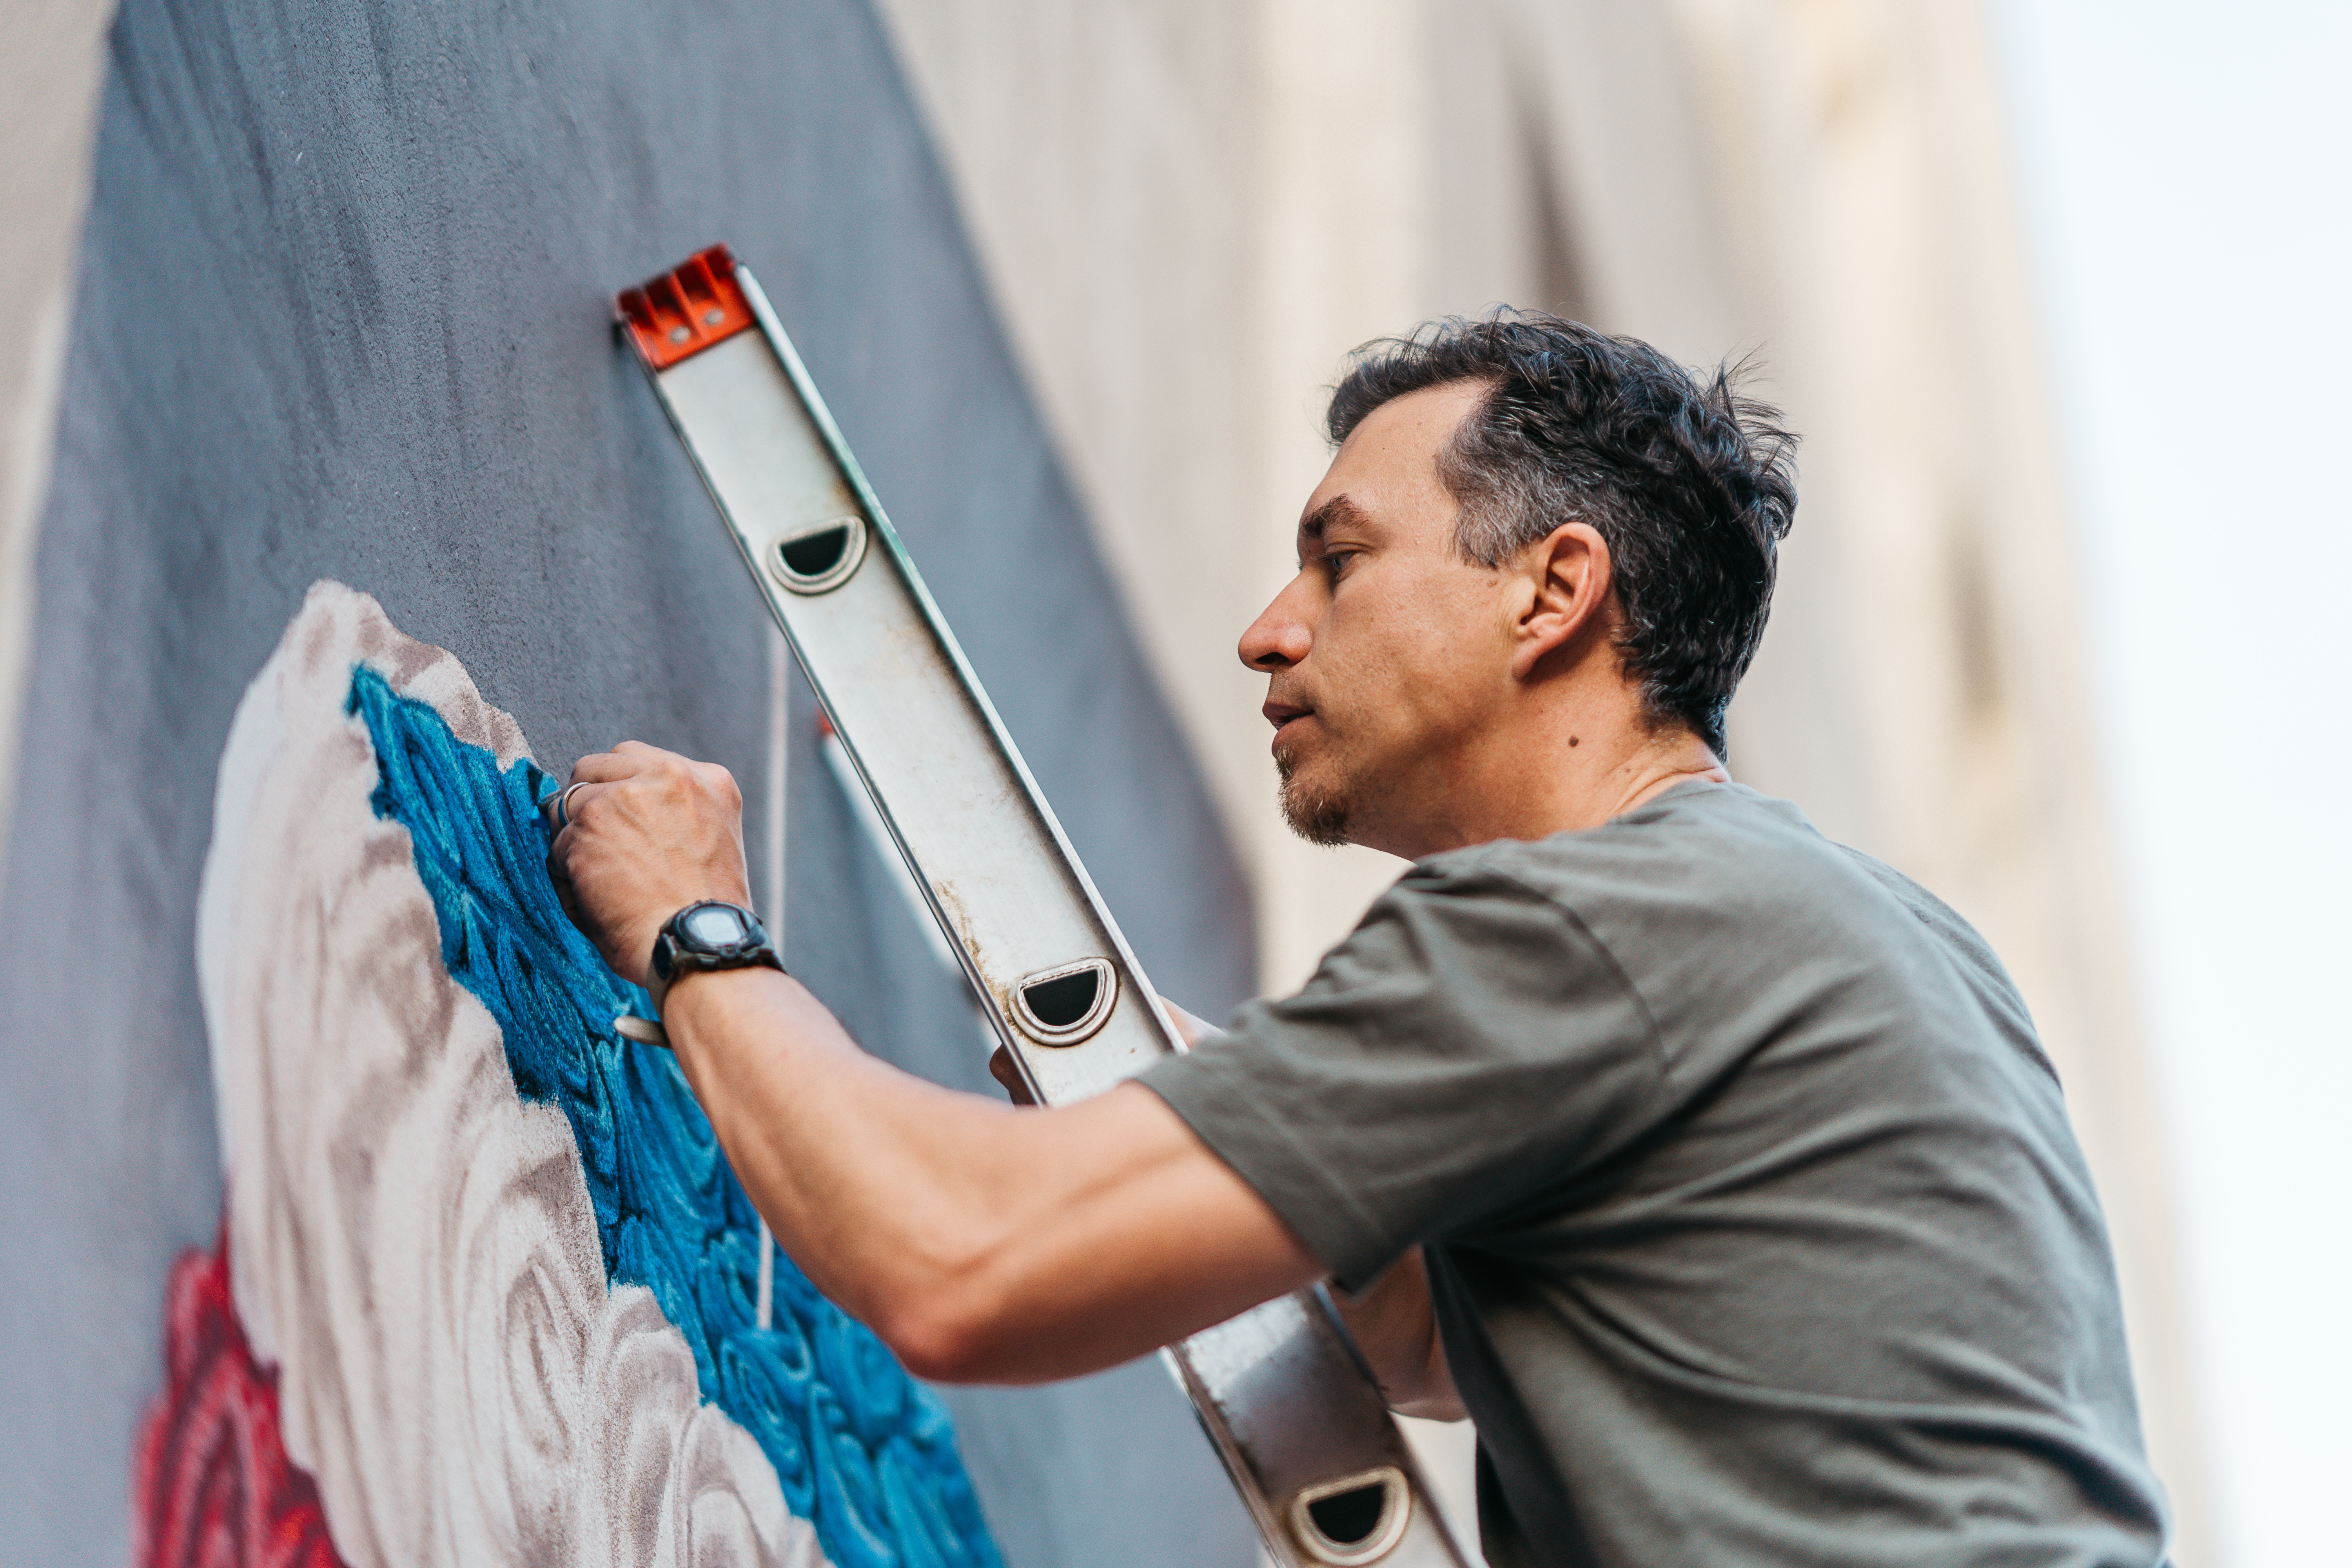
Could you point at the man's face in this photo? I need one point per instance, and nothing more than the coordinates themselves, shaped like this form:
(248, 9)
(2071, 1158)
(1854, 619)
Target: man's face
(1388, 650)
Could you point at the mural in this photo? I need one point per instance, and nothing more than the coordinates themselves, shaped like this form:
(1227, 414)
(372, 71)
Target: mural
(343, 312)
(213, 1485)
(484, 1272)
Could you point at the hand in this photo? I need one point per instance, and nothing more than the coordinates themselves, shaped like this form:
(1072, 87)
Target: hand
(652, 833)
(1000, 1060)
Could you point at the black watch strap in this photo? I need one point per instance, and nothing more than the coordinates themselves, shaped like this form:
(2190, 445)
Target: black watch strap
(708, 935)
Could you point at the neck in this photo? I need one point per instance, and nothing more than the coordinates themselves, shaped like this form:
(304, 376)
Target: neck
(1568, 769)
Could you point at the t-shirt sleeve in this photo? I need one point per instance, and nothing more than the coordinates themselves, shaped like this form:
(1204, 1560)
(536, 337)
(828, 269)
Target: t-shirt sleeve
(1468, 1048)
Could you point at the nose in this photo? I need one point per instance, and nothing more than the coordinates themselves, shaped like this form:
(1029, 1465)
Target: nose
(1278, 638)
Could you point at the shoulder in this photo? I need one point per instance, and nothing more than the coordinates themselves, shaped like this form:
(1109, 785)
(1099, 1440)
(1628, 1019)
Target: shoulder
(1706, 843)
(1715, 899)
(1482, 920)
(1656, 906)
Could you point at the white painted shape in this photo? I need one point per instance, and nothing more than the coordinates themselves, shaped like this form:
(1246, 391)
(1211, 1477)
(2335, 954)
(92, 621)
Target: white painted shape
(410, 1244)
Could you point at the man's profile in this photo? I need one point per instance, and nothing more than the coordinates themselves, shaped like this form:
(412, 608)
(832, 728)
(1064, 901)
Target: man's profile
(1713, 1169)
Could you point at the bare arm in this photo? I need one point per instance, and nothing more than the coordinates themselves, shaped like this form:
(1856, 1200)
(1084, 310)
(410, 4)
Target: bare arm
(1396, 1328)
(984, 1243)
(1393, 1320)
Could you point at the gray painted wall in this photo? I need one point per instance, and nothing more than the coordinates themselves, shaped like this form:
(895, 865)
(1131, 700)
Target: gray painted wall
(343, 312)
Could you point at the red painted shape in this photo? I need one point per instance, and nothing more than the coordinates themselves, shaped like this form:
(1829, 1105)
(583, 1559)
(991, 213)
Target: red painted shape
(212, 1485)
(686, 310)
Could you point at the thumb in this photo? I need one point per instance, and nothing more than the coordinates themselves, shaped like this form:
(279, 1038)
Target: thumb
(1006, 1071)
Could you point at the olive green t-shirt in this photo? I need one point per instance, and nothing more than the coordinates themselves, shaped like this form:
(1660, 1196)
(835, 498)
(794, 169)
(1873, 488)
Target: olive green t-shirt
(1755, 1227)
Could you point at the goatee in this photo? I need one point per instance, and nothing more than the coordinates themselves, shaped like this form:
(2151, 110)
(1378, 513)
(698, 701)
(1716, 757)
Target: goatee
(1318, 819)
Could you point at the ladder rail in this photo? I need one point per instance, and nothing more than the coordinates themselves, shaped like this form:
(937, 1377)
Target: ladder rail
(1281, 1391)
(821, 416)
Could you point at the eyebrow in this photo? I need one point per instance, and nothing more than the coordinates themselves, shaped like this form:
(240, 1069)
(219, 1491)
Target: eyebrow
(1338, 510)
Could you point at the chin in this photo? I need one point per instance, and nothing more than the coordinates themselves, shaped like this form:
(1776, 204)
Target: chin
(1314, 808)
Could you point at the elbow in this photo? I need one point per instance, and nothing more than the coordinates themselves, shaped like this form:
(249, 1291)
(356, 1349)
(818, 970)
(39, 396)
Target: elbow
(944, 1337)
(947, 1309)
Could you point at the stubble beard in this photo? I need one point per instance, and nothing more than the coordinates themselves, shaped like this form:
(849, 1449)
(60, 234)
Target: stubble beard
(1320, 819)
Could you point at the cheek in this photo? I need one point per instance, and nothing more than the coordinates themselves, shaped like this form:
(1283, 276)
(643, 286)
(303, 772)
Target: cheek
(1413, 664)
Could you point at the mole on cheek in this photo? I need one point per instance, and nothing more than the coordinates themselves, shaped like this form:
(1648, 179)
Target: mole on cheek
(1572, 740)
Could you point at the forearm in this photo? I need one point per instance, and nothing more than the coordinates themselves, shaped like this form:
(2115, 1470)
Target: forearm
(838, 1151)
(981, 1242)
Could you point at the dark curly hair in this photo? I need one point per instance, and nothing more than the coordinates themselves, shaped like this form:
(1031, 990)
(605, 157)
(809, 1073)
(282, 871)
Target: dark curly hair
(1691, 484)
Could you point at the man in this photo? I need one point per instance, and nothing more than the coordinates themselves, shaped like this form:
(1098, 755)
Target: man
(1713, 1169)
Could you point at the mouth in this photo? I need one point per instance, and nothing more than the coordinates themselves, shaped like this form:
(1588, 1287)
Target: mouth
(1282, 715)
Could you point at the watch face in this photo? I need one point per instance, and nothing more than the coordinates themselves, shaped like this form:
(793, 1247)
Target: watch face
(713, 926)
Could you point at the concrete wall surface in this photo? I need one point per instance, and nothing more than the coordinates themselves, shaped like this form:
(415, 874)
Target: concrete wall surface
(343, 302)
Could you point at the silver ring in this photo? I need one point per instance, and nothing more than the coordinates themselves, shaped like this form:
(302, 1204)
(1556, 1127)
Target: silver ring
(563, 805)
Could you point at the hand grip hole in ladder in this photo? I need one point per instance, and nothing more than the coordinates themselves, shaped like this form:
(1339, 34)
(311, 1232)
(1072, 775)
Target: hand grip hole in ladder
(1061, 1006)
(1354, 1521)
(819, 558)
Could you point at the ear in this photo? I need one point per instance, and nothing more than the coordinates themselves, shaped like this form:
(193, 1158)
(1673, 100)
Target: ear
(1567, 581)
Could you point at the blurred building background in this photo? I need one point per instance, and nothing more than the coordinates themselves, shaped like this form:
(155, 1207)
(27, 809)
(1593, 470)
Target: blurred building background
(2187, 173)
(1190, 210)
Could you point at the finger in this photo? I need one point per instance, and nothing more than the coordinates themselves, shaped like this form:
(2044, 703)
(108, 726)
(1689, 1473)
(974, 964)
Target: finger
(1191, 1030)
(560, 874)
(559, 806)
(598, 767)
(1001, 1068)
(626, 760)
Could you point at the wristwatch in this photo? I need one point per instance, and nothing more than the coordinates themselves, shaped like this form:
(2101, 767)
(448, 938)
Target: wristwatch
(708, 935)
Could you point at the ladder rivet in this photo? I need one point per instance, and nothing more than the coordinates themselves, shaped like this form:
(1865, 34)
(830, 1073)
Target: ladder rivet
(713, 318)
(680, 334)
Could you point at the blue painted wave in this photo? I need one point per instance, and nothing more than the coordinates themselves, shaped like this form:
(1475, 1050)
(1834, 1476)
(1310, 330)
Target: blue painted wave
(864, 1453)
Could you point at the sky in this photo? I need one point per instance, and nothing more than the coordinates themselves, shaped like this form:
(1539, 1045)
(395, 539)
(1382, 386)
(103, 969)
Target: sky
(2185, 172)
